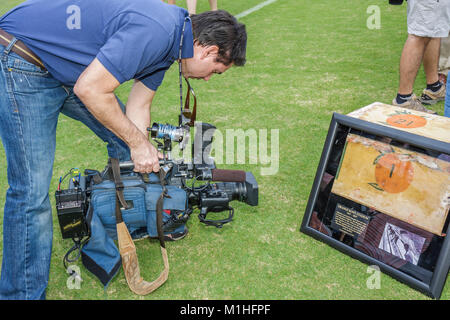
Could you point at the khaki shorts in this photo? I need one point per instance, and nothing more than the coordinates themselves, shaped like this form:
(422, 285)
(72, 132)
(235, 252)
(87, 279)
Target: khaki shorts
(444, 58)
(428, 18)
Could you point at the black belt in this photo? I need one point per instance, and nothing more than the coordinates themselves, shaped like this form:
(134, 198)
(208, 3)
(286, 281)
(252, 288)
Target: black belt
(21, 49)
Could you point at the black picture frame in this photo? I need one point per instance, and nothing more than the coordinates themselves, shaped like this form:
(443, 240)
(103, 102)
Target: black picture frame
(342, 122)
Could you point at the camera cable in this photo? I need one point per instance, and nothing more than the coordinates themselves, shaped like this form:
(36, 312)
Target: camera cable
(78, 244)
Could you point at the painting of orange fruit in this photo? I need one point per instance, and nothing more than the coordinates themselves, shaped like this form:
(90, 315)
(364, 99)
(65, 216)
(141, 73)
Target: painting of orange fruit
(405, 120)
(402, 183)
(393, 174)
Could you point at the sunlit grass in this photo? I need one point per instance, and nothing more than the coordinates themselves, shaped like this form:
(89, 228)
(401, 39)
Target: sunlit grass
(306, 60)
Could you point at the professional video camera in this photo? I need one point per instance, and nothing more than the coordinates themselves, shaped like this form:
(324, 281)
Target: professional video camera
(72, 204)
(123, 205)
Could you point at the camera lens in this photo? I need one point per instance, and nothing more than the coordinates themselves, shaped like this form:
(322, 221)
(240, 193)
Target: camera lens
(159, 131)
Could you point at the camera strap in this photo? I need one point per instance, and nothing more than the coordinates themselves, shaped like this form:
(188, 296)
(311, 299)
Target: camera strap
(186, 112)
(127, 248)
(186, 115)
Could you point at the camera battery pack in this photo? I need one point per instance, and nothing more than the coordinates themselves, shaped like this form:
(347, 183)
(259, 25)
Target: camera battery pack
(70, 207)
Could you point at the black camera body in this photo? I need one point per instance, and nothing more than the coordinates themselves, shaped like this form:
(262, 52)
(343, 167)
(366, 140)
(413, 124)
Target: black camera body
(72, 203)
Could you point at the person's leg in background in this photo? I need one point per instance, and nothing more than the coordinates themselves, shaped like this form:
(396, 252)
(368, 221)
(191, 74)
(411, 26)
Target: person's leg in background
(431, 60)
(213, 5)
(423, 23)
(447, 99)
(30, 102)
(444, 59)
(435, 90)
(192, 6)
(410, 61)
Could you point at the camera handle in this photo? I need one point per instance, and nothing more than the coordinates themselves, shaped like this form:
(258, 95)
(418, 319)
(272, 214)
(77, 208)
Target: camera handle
(216, 223)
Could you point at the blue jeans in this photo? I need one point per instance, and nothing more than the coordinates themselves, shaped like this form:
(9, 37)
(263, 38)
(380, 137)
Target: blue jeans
(30, 103)
(447, 98)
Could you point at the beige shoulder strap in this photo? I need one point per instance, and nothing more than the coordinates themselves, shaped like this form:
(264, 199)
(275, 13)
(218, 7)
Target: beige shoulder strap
(127, 248)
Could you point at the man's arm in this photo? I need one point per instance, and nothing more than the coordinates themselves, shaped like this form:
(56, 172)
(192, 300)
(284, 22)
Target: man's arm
(138, 106)
(95, 88)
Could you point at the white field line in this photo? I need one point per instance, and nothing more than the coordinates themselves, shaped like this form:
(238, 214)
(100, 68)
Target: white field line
(255, 8)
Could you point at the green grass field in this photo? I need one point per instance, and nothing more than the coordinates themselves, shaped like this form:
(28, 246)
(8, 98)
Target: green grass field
(306, 60)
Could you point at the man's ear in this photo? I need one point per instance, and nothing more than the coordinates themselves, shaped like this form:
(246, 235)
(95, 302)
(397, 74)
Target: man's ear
(208, 51)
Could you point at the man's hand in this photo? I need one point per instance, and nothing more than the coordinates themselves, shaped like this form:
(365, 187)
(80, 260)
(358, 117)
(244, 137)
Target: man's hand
(95, 88)
(145, 158)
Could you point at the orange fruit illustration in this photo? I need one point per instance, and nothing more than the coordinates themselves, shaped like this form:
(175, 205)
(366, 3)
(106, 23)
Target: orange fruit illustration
(393, 174)
(409, 121)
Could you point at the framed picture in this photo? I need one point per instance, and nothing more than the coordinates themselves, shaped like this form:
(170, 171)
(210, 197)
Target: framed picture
(381, 195)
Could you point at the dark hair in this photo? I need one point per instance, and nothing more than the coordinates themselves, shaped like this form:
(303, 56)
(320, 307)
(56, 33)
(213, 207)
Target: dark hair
(223, 30)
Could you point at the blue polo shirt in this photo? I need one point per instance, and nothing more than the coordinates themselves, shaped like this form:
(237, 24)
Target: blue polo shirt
(133, 39)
